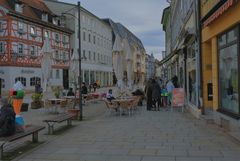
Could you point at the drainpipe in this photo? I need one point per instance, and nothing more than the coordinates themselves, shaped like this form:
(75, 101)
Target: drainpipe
(199, 36)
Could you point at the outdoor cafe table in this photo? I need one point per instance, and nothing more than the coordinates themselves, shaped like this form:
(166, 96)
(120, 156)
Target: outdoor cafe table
(124, 101)
(55, 102)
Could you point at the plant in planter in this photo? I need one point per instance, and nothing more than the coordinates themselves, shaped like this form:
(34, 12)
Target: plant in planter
(56, 91)
(37, 101)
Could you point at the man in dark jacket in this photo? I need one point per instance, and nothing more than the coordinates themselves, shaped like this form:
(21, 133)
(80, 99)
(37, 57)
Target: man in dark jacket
(7, 119)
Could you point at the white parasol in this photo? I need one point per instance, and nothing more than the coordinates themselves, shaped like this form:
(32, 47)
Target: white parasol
(46, 66)
(74, 68)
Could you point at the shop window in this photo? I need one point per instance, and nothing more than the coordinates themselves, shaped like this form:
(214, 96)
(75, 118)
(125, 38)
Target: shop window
(228, 73)
(34, 81)
(22, 80)
(228, 78)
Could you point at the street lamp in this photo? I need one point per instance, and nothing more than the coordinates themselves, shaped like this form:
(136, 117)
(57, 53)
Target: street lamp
(80, 59)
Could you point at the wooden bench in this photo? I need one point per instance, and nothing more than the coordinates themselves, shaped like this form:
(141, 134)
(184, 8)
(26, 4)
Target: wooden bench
(30, 129)
(58, 119)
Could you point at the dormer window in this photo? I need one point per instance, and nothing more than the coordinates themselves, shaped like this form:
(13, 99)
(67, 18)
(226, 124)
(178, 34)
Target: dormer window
(18, 7)
(45, 17)
(54, 21)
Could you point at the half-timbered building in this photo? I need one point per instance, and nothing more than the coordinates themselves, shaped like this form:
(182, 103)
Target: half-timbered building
(24, 28)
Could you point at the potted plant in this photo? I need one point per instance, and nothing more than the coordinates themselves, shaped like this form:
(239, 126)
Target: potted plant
(37, 101)
(56, 91)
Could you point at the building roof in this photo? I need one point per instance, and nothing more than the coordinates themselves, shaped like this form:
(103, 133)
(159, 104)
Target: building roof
(123, 32)
(32, 11)
(165, 16)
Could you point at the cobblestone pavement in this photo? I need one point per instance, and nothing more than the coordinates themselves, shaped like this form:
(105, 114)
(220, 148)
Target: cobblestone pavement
(145, 136)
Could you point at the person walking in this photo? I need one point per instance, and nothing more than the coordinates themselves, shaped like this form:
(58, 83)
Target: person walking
(156, 92)
(170, 88)
(148, 93)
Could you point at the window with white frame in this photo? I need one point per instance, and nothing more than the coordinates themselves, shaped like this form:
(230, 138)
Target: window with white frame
(22, 80)
(2, 48)
(33, 31)
(32, 50)
(20, 49)
(20, 26)
(64, 39)
(56, 55)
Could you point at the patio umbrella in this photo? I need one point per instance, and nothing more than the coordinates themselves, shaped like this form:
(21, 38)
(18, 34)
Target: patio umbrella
(129, 59)
(46, 66)
(74, 68)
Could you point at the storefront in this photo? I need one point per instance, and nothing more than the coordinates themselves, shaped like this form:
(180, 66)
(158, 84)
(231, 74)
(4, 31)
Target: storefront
(221, 60)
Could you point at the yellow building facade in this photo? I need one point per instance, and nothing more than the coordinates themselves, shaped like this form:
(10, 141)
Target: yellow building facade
(220, 47)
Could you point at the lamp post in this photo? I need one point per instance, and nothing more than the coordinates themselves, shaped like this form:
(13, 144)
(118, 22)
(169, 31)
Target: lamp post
(79, 59)
(80, 65)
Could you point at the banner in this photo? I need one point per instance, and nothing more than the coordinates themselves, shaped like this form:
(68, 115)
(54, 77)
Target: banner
(178, 97)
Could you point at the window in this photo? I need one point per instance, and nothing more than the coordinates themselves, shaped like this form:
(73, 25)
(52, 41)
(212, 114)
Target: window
(64, 56)
(228, 72)
(94, 39)
(46, 34)
(84, 54)
(64, 39)
(98, 56)
(22, 80)
(57, 37)
(45, 17)
(20, 49)
(89, 56)
(34, 81)
(2, 47)
(89, 37)
(20, 27)
(32, 50)
(94, 56)
(18, 7)
(33, 31)
(84, 36)
(57, 74)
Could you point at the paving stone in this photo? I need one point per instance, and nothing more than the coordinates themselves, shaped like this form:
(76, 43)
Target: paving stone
(147, 158)
(142, 152)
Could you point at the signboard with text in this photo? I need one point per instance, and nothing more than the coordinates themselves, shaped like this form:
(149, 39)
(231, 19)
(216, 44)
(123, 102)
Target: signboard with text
(178, 97)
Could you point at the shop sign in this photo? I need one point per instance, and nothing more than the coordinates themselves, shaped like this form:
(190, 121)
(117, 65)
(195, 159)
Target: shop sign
(27, 71)
(219, 12)
(178, 97)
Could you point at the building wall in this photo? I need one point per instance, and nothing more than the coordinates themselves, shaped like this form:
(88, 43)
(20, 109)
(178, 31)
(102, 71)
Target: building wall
(224, 22)
(96, 41)
(18, 31)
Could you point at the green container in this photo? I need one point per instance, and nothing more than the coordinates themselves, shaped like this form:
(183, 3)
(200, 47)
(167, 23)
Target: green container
(20, 94)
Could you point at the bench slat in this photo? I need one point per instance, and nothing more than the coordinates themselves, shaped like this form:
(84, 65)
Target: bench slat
(30, 129)
(59, 118)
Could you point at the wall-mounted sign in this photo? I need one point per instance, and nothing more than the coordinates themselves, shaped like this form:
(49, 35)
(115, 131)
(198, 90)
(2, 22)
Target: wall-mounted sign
(218, 12)
(27, 71)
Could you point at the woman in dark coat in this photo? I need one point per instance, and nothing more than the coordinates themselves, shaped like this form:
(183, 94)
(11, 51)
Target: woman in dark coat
(156, 93)
(148, 93)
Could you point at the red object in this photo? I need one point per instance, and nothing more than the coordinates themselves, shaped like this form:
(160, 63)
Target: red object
(178, 97)
(11, 92)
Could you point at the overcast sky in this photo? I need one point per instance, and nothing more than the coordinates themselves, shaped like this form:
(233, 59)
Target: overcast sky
(141, 17)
